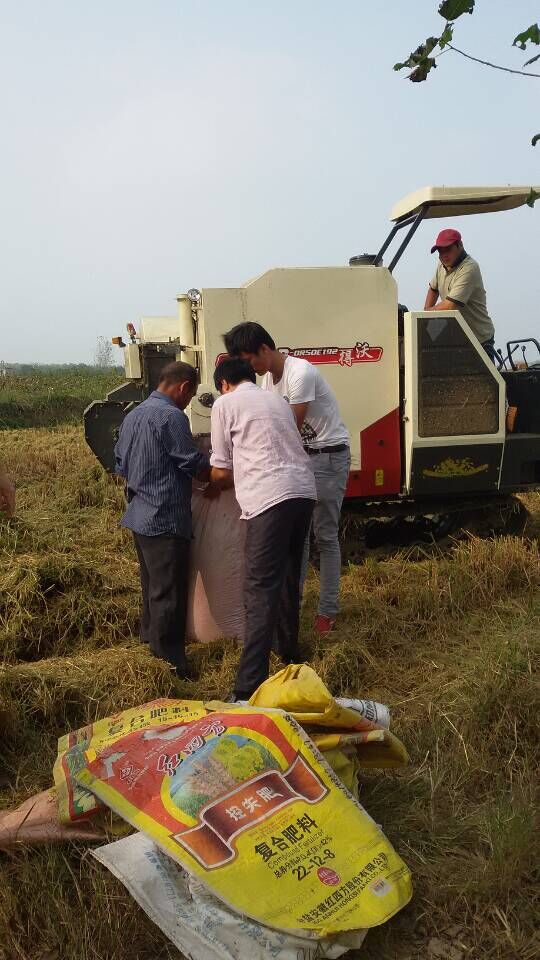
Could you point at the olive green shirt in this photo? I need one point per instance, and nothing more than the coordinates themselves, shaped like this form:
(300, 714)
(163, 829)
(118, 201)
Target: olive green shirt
(463, 284)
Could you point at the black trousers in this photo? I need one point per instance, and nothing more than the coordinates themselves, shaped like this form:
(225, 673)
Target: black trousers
(164, 567)
(274, 549)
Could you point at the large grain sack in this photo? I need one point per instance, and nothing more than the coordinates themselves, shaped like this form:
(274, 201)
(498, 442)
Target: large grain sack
(215, 600)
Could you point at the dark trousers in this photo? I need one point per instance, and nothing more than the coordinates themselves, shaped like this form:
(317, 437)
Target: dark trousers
(164, 566)
(489, 347)
(274, 548)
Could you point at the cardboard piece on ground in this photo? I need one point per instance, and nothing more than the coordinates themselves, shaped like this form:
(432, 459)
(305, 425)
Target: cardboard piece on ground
(37, 821)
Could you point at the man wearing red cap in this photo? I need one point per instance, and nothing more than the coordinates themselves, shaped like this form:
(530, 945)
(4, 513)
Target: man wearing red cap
(457, 285)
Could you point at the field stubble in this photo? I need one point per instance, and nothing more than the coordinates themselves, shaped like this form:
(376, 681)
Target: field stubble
(449, 641)
(52, 398)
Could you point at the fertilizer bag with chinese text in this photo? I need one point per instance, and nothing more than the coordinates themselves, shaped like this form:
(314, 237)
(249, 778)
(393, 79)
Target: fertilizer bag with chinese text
(244, 801)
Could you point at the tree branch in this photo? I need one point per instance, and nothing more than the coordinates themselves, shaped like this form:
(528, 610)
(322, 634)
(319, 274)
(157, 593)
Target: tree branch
(495, 66)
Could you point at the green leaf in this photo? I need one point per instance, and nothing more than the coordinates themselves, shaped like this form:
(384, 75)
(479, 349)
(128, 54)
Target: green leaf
(452, 9)
(530, 35)
(535, 139)
(533, 196)
(422, 70)
(429, 45)
(419, 55)
(446, 36)
(532, 60)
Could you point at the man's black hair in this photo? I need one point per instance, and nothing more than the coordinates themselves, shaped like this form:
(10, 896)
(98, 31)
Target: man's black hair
(178, 372)
(234, 371)
(247, 338)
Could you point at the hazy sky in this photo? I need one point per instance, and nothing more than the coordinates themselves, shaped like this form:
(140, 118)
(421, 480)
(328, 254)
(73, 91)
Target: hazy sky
(149, 147)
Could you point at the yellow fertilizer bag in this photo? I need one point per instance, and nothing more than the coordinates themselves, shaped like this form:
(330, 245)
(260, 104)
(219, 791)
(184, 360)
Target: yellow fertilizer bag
(345, 764)
(74, 801)
(245, 802)
(299, 690)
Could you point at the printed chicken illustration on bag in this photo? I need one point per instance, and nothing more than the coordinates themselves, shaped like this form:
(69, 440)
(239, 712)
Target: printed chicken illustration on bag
(243, 799)
(75, 802)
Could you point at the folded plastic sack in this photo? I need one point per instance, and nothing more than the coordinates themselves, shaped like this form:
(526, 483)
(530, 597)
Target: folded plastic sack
(246, 803)
(345, 765)
(299, 690)
(195, 921)
(368, 709)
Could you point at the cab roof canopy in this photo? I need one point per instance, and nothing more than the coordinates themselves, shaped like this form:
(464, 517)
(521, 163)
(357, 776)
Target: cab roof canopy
(432, 202)
(459, 201)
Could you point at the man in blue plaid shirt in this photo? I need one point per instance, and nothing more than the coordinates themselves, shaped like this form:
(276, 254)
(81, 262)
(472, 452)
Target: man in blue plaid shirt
(157, 456)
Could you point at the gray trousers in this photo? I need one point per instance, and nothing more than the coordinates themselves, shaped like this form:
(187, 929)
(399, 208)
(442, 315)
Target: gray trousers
(274, 549)
(331, 475)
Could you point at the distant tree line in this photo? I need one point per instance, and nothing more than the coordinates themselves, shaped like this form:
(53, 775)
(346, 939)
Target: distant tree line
(103, 360)
(44, 369)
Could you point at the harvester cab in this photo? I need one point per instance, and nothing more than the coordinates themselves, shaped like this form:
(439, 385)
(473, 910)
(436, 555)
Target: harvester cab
(439, 433)
(468, 422)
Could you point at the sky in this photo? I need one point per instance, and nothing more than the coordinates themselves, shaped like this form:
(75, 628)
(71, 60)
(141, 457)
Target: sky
(148, 148)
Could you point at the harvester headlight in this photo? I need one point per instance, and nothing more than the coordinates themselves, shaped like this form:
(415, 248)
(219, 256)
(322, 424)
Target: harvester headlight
(195, 296)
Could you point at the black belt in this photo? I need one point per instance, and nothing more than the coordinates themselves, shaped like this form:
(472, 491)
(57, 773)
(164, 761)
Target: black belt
(337, 449)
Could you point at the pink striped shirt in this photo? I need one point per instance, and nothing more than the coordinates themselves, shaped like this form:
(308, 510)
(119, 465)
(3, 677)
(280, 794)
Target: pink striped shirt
(254, 434)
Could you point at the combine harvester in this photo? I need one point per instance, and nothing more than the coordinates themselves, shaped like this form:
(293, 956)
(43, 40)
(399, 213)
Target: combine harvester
(441, 439)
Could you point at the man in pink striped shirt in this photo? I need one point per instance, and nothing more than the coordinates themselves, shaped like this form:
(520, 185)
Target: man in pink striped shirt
(257, 447)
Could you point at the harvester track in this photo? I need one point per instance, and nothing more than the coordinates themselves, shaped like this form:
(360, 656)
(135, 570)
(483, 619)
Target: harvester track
(380, 529)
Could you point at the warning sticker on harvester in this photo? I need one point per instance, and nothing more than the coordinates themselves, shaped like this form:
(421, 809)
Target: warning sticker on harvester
(243, 800)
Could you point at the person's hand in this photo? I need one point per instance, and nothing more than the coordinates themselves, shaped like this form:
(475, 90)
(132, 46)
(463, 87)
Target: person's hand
(7, 496)
(211, 492)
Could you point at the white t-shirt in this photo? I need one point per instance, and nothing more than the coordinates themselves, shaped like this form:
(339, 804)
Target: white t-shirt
(302, 383)
(254, 434)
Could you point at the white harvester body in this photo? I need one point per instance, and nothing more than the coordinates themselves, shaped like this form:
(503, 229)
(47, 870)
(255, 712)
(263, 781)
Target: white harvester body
(425, 406)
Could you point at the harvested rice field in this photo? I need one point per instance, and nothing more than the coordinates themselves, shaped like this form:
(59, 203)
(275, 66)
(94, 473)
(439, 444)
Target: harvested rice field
(450, 641)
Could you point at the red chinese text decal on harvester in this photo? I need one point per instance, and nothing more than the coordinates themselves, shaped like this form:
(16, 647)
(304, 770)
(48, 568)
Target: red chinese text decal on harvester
(345, 356)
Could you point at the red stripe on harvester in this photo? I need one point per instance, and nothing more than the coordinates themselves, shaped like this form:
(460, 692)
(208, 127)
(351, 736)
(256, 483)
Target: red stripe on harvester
(380, 459)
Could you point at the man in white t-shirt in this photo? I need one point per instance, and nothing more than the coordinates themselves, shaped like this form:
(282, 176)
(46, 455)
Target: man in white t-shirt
(256, 447)
(325, 438)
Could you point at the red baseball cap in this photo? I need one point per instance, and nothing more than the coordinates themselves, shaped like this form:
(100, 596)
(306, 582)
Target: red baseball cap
(446, 238)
